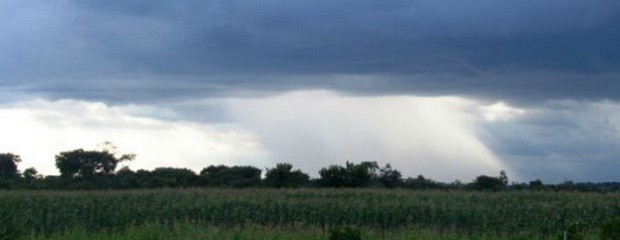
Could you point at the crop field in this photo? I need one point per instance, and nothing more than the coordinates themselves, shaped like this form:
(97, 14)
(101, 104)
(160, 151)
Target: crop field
(284, 214)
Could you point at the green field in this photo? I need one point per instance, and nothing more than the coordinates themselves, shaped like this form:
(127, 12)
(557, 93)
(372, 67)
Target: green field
(288, 214)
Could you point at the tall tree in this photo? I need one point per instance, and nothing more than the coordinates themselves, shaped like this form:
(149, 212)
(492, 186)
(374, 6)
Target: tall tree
(87, 164)
(283, 176)
(333, 176)
(31, 174)
(488, 183)
(8, 169)
(8, 165)
(352, 175)
(389, 177)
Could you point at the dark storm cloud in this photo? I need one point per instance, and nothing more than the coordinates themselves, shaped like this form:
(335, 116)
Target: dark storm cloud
(144, 50)
(565, 140)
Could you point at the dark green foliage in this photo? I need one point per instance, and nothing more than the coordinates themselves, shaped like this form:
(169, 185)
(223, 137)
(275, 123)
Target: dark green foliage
(126, 178)
(236, 176)
(362, 174)
(282, 176)
(536, 185)
(574, 231)
(8, 166)
(31, 174)
(390, 178)
(8, 228)
(487, 183)
(353, 175)
(345, 233)
(421, 182)
(81, 169)
(87, 164)
(172, 177)
(333, 176)
(158, 178)
(503, 177)
(54, 182)
(567, 185)
(140, 179)
(537, 215)
(8, 232)
(8, 169)
(611, 229)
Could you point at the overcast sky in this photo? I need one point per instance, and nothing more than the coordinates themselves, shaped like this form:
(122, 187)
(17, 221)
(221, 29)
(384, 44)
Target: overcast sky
(447, 89)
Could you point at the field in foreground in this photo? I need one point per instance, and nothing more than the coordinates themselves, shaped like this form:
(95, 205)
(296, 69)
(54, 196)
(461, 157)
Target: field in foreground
(287, 214)
(186, 231)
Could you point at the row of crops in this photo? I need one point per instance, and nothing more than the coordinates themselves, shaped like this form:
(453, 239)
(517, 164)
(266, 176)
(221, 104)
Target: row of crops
(508, 213)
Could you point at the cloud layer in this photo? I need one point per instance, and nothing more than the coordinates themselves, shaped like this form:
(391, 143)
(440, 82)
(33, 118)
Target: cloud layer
(563, 140)
(531, 86)
(521, 51)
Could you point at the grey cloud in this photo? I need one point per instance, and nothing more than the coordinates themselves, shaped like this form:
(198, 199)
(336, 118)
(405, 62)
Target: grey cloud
(558, 141)
(146, 50)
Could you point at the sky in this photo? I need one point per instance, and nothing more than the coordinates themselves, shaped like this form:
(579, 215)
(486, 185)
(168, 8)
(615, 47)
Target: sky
(446, 89)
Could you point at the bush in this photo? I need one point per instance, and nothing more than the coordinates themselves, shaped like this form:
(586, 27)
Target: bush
(351, 175)
(283, 176)
(235, 176)
(345, 233)
(611, 229)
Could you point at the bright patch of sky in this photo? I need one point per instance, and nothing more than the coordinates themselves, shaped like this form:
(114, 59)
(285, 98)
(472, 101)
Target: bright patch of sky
(433, 136)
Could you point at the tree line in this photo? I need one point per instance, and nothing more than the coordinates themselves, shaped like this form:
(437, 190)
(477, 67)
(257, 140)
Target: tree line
(97, 169)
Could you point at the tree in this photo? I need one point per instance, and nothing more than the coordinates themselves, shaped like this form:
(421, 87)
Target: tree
(503, 177)
(491, 183)
(362, 174)
(421, 182)
(31, 174)
(353, 175)
(282, 176)
(236, 176)
(126, 178)
(8, 169)
(536, 185)
(8, 166)
(172, 177)
(87, 164)
(333, 176)
(141, 178)
(390, 178)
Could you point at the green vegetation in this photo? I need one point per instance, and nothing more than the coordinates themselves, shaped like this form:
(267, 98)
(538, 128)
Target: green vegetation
(185, 231)
(91, 170)
(345, 233)
(278, 213)
(8, 169)
(354, 201)
(283, 176)
(611, 229)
